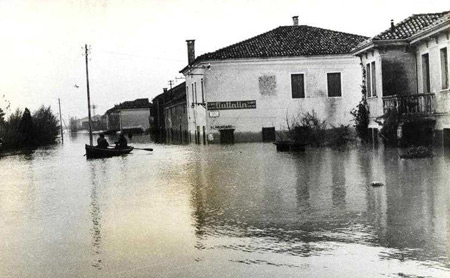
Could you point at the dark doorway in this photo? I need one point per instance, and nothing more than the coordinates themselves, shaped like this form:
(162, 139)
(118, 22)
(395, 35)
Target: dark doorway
(268, 134)
(227, 136)
(447, 137)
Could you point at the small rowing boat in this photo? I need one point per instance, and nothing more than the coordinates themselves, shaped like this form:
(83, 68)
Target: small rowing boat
(96, 152)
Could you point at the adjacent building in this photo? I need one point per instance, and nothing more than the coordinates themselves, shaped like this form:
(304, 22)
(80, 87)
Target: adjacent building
(131, 116)
(170, 124)
(407, 70)
(250, 90)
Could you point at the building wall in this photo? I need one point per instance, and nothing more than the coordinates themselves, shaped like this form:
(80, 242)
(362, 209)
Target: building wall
(375, 103)
(176, 126)
(404, 61)
(196, 112)
(442, 96)
(268, 82)
(135, 118)
(113, 121)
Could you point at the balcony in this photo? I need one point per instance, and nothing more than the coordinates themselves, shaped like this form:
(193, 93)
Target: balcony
(418, 104)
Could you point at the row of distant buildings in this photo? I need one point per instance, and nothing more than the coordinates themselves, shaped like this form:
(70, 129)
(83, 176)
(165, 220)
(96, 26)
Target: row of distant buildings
(248, 91)
(129, 116)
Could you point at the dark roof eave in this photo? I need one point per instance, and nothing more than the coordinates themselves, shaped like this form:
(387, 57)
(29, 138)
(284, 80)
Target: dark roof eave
(373, 44)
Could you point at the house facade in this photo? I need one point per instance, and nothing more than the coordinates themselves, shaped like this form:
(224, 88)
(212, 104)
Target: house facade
(130, 116)
(170, 116)
(252, 90)
(406, 70)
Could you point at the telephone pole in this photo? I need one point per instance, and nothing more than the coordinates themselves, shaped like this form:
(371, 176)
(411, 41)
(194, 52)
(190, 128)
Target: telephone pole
(60, 122)
(88, 96)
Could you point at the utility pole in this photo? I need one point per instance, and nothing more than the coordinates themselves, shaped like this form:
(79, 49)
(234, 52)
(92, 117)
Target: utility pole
(60, 122)
(88, 96)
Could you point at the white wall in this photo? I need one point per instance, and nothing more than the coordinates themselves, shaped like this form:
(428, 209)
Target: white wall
(239, 80)
(133, 118)
(433, 47)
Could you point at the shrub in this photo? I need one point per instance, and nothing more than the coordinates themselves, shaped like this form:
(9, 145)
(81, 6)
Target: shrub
(25, 130)
(390, 126)
(339, 137)
(361, 117)
(307, 129)
(45, 127)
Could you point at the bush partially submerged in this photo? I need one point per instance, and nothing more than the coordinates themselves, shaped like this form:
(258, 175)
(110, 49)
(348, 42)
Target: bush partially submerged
(22, 129)
(361, 118)
(390, 127)
(418, 152)
(339, 137)
(307, 129)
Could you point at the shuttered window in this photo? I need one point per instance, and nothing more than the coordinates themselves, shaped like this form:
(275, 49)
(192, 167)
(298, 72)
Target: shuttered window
(334, 84)
(444, 68)
(369, 81)
(298, 85)
(426, 73)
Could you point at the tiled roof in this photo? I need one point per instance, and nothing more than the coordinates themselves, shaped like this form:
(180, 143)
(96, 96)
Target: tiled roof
(137, 103)
(288, 41)
(411, 26)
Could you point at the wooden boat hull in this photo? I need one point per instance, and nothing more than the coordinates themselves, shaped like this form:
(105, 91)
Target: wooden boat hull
(95, 152)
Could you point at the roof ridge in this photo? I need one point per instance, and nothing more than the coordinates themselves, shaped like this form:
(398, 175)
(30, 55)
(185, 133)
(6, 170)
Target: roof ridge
(237, 43)
(405, 23)
(326, 29)
(431, 13)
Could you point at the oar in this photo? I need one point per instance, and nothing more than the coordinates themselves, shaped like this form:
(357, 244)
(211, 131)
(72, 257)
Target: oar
(144, 149)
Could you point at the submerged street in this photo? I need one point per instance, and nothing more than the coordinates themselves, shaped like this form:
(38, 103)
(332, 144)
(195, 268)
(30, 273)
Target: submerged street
(242, 210)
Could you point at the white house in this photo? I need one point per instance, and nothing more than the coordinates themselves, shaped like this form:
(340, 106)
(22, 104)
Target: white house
(130, 116)
(247, 91)
(407, 70)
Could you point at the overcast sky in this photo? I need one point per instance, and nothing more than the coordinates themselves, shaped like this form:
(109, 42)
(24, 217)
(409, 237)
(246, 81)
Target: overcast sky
(138, 46)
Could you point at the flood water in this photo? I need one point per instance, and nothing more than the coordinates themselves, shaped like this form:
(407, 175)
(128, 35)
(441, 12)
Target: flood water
(240, 210)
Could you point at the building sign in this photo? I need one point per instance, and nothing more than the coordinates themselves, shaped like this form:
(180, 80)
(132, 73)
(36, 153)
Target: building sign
(222, 127)
(227, 105)
(214, 114)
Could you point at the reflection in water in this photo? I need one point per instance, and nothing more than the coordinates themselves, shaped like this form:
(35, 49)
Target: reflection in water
(96, 219)
(243, 210)
(338, 179)
(227, 204)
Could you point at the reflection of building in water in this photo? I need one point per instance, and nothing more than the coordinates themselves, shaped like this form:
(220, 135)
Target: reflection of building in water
(417, 207)
(292, 200)
(96, 222)
(289, 202)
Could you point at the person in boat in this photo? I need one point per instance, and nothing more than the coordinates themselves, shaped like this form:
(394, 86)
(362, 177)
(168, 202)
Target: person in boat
(122, 142)
(102, 142)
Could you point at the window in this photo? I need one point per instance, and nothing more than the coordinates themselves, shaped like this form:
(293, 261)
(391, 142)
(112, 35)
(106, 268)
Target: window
(426, 73)
(187, 95)
(334, 84)
(194, 92)
(369, 81)
(298, 85)
(373, 77)
(444, 68)
(268, 134)
(203, 90)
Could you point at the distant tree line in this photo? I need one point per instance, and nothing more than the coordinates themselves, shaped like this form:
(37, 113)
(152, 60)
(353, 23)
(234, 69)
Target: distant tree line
(24, 129)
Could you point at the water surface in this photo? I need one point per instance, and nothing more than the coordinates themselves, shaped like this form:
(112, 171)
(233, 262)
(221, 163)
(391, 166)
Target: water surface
(241, 210)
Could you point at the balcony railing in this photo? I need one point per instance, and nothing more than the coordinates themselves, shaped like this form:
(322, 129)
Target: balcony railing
(418, 104)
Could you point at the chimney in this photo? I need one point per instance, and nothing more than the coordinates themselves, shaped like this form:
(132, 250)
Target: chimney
(392, 25)
(295, 19)
(191, 51)
(164, 90)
